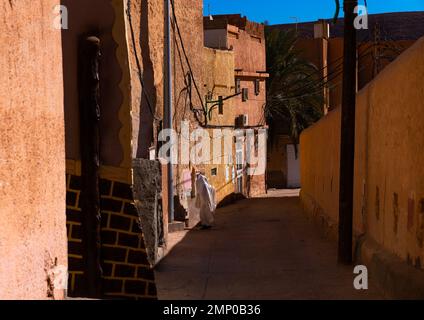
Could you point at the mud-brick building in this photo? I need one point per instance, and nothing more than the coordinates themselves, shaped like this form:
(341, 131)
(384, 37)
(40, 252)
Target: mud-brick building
(219, 82)
(201, 74)
(146, 47)
(246, 41)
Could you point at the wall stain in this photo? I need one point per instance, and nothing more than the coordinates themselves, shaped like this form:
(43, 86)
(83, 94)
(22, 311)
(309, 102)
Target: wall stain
(420, 224)
(395, 212)
(418, 263)
(409, 259)
(49, 265)
(377, 203)
(411, 213)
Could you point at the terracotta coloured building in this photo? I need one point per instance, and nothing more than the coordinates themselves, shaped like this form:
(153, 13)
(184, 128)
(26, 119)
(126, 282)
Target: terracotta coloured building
(202, 74)
(246, 41)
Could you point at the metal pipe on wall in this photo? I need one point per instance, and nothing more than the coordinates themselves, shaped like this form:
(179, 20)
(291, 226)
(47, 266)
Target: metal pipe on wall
(168, 105)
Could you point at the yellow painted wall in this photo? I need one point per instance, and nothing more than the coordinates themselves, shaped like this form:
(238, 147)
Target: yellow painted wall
(116, 122)
(218, 77)
(389, 184)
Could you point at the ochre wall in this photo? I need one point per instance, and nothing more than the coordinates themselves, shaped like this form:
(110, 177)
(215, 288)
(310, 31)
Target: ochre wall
(126, 271)
(319, 164)
(254, 106)
(335, 71)
(367, 63)
(218, 77)
(32, 151)
(95, 17)
(249, 59)
(210, 68)
(147, 17)
(249, 48)
(147, 41)
(115, 87)
(316, 52)
(389, 188)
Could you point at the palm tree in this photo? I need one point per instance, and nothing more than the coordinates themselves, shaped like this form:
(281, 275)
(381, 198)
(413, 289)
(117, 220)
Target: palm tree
(295, 90)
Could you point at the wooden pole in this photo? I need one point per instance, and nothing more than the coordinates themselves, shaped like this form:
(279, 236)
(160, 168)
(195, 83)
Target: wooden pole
(347, 147)
(88, 85)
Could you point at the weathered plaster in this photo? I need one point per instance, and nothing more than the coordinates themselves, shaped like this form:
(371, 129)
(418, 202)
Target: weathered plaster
(32, 151)
(388, 163)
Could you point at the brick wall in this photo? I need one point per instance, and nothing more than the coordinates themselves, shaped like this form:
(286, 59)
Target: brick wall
(126, 270)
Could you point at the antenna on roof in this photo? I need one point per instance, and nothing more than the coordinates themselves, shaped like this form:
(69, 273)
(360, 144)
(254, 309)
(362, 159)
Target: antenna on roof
(209, 12)
(296, 19)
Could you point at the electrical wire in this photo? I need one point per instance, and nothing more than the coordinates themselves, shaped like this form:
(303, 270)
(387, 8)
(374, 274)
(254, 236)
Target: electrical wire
(185, 54)
(139, 69)
(192, 78)
(322, 82)
(187, 83)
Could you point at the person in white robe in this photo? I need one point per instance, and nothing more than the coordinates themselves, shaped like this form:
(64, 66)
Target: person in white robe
(205, 201)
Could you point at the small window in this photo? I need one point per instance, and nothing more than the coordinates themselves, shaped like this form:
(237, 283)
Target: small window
(257, 87)
(238, 86)
(245, 94)
(214, 172)
(220, 105)
(239, 160)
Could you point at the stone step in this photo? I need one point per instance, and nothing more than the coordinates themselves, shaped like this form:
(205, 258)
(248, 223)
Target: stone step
(176, 226)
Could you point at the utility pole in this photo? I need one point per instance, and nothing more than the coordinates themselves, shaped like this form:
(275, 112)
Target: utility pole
(168, 105)
(347, 147)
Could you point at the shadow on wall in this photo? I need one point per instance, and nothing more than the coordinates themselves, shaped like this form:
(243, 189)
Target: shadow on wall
(95, 17)
(180, 213)
(148, 99)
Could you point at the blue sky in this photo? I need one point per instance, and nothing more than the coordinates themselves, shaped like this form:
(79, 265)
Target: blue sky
(288, 11)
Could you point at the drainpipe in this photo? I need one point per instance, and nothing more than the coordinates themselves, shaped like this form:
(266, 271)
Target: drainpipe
(168, 105)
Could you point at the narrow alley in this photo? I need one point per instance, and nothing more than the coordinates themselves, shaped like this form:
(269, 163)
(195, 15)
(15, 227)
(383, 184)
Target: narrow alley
(261, 248)
(158, 150)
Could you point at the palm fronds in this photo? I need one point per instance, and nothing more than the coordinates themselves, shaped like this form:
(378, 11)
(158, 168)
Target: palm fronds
(295, 90)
